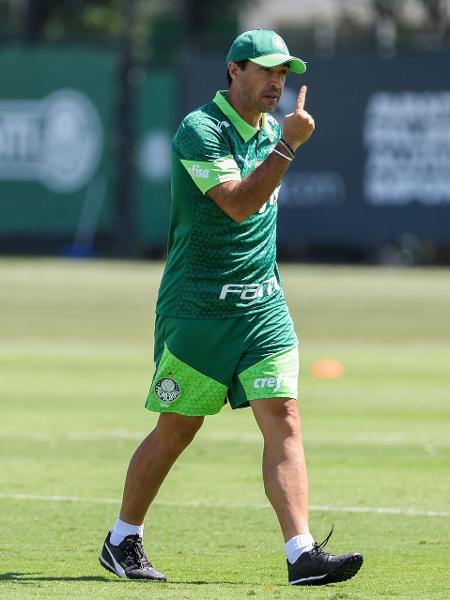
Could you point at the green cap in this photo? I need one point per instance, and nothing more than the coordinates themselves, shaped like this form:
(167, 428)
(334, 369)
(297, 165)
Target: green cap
(265, 48)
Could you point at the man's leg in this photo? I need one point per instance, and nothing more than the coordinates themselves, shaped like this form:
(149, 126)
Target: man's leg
(122, 552)
(284, 469)
(152, 461)
(286, 484)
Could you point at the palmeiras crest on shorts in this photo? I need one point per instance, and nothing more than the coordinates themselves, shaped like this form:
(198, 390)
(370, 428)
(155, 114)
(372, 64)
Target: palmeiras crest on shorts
(167, 389)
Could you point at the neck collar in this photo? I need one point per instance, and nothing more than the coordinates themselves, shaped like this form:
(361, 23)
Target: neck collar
(245, 130)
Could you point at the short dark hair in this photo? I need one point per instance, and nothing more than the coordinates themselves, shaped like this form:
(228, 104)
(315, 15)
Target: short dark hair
(241, 64)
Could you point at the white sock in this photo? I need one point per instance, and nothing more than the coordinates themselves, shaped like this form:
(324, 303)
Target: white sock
(122, 529)
(297, 545)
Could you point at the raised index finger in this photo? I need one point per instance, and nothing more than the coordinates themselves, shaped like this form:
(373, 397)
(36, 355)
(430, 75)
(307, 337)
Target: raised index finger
(301, 99)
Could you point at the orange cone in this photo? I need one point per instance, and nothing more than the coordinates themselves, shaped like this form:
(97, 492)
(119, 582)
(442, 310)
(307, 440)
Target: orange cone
(327, 368)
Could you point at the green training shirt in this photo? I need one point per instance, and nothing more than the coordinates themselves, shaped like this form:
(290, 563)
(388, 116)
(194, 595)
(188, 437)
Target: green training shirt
(215, 266)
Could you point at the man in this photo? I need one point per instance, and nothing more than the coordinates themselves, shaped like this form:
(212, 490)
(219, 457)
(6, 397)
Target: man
(223, 331)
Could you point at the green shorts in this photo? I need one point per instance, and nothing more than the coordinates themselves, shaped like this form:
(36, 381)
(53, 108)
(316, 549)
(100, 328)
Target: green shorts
(202, 363)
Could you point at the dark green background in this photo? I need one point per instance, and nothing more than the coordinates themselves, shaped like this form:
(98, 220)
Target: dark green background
(29, 207)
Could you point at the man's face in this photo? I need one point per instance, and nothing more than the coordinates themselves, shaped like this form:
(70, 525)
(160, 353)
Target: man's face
(260, 88)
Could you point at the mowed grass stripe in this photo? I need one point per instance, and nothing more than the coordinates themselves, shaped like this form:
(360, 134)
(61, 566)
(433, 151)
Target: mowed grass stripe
(233, 505)
(429, 444)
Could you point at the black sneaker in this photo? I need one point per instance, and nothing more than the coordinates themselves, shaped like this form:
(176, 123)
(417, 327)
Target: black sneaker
(128, 559)
(317, 567)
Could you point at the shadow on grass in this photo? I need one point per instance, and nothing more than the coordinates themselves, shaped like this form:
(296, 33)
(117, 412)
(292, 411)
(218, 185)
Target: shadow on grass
(223, 582)
(29, 578)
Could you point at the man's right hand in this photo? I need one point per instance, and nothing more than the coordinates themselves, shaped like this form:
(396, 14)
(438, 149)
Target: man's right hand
(299, 125)
(241, 199)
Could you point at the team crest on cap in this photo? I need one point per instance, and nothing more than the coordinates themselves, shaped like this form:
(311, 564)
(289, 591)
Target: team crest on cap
(278, 42)
(167, 389)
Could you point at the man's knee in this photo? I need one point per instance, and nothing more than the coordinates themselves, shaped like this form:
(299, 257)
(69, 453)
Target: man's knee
(177, 431)
(287, 413)
(280, 414)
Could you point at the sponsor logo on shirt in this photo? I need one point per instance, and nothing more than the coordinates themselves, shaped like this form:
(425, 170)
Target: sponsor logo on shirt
(243, 160)
(250, 291)
(274, 383)
(197, 171)
(271, 201)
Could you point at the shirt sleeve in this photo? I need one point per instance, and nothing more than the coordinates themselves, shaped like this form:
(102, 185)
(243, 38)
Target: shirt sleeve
(205, 153)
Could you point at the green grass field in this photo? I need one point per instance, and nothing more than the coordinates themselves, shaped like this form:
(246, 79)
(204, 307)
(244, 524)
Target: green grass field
(75, 364)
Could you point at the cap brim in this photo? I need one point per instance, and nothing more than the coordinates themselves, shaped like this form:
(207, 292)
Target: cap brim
(296, 65)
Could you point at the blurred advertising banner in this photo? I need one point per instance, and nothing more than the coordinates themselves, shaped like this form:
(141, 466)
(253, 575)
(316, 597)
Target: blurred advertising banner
(377, 168)
(55, 147)
(375, 172)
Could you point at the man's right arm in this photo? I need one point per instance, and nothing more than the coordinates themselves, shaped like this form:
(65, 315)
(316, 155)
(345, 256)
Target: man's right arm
(240, 199)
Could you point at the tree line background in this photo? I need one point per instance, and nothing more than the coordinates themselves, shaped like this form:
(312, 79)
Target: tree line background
(159, 29)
